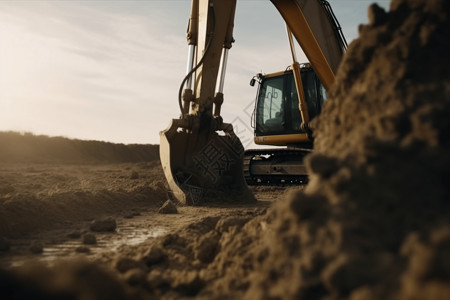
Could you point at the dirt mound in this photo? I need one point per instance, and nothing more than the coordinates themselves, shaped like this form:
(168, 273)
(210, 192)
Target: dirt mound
(28, 148)
(374, 222)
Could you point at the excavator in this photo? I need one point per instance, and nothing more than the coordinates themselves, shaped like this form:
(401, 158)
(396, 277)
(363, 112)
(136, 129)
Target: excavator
(202, 157)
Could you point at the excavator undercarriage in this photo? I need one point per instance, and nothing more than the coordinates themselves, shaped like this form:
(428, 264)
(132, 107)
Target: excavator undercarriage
(275, 166)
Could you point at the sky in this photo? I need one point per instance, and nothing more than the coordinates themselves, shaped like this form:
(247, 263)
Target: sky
(110, 70)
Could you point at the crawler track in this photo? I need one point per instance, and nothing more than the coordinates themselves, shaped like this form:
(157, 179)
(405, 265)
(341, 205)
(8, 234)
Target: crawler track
(275, 166)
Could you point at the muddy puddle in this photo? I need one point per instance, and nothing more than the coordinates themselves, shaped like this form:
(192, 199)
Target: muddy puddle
(57, 244)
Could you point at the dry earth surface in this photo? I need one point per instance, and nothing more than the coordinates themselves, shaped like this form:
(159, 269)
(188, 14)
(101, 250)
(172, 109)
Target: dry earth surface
(52, 206)
(373, 223)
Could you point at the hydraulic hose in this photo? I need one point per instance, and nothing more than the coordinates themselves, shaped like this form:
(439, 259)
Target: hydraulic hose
(208, 45)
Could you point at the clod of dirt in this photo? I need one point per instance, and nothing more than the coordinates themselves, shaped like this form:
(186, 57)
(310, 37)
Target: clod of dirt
(168, 208)
(36, 247)
(136, 277)
(89, 239)
(207, 246)
(4, 245)
(74, 235)
(131, 214)
(154, 255)
(187, 282)
(125, 264)
(82, 249)
(103, 225)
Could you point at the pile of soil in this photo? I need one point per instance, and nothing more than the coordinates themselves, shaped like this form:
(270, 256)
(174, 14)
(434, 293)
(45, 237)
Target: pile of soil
(374, 221)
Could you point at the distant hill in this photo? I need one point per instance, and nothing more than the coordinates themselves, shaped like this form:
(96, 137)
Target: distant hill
(30, 148)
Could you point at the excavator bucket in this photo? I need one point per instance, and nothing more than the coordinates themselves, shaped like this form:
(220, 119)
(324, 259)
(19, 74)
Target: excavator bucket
(203, 166)
(200, 164)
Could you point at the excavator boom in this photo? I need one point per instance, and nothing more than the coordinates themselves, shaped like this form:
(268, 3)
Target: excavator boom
(317, 31)
(201, 156)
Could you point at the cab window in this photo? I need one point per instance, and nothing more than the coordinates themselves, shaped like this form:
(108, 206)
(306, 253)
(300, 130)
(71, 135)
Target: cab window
(270, 110)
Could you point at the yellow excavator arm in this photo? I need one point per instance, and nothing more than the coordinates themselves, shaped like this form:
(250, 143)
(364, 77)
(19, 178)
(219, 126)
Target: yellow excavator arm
(308, 22)
(200, 154)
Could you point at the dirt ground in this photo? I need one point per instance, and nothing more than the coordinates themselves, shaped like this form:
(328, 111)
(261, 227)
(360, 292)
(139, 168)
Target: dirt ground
(47, 211)
(53, 205)
(372, 223)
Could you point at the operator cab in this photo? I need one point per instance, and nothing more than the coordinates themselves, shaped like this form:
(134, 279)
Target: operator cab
(277, 110)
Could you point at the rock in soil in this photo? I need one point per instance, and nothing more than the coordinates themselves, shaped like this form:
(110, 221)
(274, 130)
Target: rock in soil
(125, 264)
(131, 214)
(168, 208)
(89, 239)
(103, 225)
